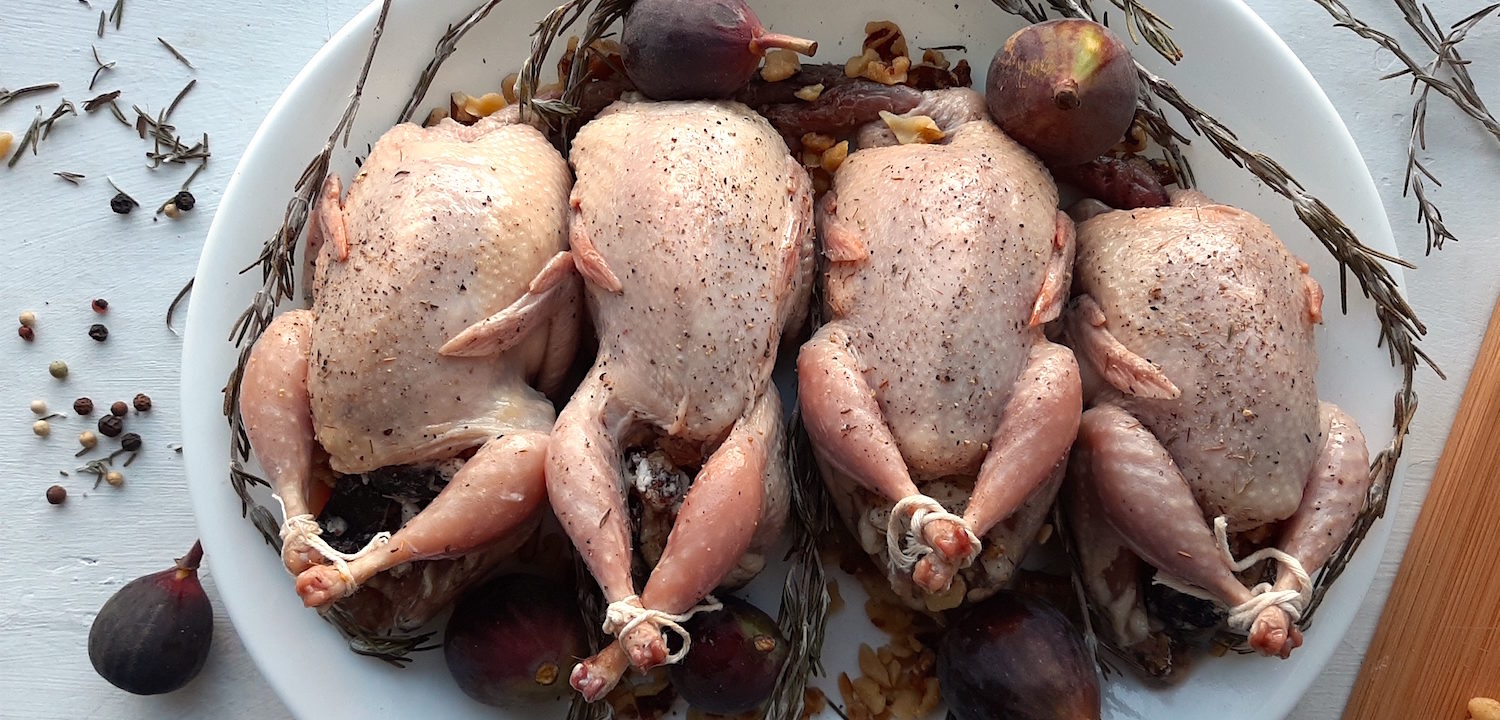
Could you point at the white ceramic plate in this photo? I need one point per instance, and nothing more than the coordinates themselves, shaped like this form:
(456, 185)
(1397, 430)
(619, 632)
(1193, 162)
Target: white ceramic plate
(1235, 68)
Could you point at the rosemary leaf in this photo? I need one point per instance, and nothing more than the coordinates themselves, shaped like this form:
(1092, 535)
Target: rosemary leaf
(180, 57)
(8, 95)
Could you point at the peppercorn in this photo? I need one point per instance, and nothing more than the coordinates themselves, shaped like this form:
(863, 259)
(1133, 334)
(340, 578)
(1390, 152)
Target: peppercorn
(27, 333)
(98, 332)
(83, 406)
(130, 441)
(121, 203)
(100, 305)
(58, 368)
(171, 211)
(142, 402)
(118, 407)
(57, 494)
(184, 201)
(88, 439)
(111, 426)
(39, 407)
(42, 428)
(28, 319)
(114, 478)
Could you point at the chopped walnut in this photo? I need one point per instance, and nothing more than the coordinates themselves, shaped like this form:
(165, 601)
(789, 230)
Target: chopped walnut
(436, 116)
(871, 66)
(508, 86)
(834, 157)
(817, 142)
(810, 93)
(780, 65)
(886, 39)
(1483, 708)
(913, 128)
(935, 58)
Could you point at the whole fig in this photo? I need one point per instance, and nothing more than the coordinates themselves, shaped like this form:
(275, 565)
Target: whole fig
(154, 634)
(1016, 657)
(1066, 89)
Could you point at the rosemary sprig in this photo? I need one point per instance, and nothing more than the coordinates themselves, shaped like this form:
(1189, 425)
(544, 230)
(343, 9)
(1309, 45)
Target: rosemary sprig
(40, 129)
(547, 31)
(591, 608)
(1460, 90)
(392, 648)
(8, 95)
(446, 46)
(804, 597)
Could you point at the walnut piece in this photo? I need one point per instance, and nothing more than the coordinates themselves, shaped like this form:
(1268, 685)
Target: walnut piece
(912, 128)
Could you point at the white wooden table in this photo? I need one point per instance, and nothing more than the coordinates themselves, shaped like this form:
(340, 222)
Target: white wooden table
(63, 247)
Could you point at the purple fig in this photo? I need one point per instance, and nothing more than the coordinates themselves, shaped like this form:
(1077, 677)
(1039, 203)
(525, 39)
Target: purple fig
(1066, 89)
(736, 656)
(153, 636)
(697, 49)
(511, 641)
(1015, 656)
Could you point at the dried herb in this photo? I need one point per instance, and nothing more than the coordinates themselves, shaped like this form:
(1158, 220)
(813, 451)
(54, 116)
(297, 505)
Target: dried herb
(64, 109)
(1461, 90)
(30, 138)
(100, 67)
(8, 95)
(102, 21)
(175, 53)
(116, 14)
(446, 45)
(71, 177)
(172, 309)
(100, 101)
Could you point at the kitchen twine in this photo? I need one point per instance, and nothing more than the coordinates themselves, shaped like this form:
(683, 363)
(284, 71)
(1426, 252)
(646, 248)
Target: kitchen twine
(906, 545)
(622, 616)
(305, 528)
(1262, 596)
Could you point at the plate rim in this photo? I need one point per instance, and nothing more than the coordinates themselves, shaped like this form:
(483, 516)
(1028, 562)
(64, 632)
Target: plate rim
(197, 346)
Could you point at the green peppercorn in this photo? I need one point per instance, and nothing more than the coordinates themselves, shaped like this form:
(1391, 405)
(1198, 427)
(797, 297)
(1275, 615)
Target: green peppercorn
(111, 426)
(58, 368)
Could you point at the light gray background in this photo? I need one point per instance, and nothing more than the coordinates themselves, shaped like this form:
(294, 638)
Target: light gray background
(60, 246)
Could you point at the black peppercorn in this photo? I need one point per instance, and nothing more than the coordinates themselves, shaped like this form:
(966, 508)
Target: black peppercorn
(100, 305)
(184, 201)
(130, 441)
(111, 426)
(121, 203)
(27, 333)
(98, 332)
(142, 402)
(119, 408)
(83, 406)
(57, 494)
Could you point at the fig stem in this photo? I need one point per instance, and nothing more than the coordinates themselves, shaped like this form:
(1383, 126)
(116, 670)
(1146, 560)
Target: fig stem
(189, 563)
(769, 41)
(1065, 94)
